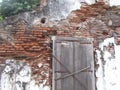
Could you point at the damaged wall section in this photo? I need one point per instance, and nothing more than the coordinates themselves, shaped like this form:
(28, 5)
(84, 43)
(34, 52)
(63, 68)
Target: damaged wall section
(107, 58)
(30, 43)
(16, 75)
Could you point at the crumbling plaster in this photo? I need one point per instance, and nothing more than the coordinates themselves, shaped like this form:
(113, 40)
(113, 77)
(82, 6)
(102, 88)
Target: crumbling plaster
(26, 39)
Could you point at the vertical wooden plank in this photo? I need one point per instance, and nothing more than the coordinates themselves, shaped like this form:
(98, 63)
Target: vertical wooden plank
(84, 58)
(53, 63)
(90, 60)
(67, 59)
(57, 66)
(64, 52)
(80, 63)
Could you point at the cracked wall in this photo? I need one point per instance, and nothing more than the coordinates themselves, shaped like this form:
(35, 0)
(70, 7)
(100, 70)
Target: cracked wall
(26, 41)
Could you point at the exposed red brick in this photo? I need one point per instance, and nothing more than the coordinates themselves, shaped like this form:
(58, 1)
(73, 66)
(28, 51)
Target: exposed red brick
(34, 46)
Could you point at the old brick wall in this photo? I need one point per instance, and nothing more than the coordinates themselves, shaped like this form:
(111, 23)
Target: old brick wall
(31, 43)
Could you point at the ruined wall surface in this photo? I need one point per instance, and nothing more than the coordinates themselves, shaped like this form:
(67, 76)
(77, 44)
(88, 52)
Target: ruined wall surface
(28, 40)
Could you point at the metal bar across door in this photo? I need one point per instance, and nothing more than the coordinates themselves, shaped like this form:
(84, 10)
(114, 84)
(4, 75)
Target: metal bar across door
(73, 73)
(69, 71)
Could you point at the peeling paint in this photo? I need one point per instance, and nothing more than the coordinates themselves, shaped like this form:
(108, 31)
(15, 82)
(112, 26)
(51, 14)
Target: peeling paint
(109, 65)
(17, 76)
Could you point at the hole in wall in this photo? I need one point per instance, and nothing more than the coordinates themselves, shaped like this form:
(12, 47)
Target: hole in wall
(43, 20)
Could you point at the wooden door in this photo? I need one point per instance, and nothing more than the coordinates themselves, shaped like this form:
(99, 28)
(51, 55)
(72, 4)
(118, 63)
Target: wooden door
(73, 64)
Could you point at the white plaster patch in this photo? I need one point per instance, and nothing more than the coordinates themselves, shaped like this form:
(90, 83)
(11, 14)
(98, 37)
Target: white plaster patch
(106, 42)
(114, 2)
(17, 76)
(90, 1)
(36, 21)
(108, 72)
(40, 65)
(33, 86)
